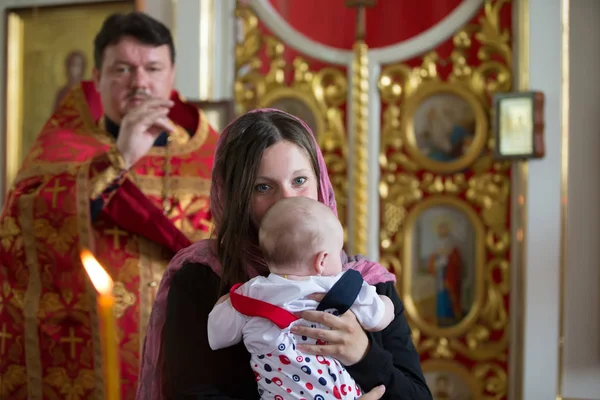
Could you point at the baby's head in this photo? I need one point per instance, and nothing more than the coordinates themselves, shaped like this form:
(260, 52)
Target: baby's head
(300, 236)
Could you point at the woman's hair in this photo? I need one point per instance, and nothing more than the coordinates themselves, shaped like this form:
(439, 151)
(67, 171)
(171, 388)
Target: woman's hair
(237, 161)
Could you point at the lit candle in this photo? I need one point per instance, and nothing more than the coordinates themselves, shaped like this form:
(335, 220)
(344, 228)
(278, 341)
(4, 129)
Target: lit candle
(104, 285)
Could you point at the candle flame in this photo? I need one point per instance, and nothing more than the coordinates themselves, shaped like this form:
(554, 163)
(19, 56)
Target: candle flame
(100, 278)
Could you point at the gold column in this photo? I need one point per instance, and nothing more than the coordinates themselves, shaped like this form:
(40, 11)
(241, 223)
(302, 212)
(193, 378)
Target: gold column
(360, 113)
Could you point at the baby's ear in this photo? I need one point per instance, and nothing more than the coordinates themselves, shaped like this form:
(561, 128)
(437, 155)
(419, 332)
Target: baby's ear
(320, 262)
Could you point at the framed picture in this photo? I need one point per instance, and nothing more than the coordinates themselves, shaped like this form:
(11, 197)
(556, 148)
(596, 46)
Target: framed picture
(219, 113)
(49, 50)
(297, 103)
(445, 127)
(519, 125)
(449, 380)
(443, 259)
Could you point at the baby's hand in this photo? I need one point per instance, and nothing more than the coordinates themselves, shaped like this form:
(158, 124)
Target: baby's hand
(223, 299)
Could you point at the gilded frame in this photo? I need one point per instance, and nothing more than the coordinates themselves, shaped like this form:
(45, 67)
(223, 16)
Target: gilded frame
(408, 257)
(412, 105)
(467, 377)
(308, 100)
(219, 113)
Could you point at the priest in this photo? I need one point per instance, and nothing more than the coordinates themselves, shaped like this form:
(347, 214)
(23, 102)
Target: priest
(122, 168)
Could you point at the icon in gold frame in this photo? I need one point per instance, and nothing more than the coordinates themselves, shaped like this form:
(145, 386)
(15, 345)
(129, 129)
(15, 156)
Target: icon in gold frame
(445, 127)
(297, 103)
(443, 257)
(449, 380)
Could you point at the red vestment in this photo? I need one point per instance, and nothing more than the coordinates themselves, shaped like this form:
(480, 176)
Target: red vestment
(49, 337)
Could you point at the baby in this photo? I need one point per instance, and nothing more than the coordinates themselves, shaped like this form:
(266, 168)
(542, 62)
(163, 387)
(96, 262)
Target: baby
(301, 240)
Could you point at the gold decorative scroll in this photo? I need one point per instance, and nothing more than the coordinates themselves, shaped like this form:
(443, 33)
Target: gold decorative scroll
(316, 97)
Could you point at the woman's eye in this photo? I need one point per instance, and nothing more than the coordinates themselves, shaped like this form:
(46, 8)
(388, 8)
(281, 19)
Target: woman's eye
(300, 180)
(261, 188)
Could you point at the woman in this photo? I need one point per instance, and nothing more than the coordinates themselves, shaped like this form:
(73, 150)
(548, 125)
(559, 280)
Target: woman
(262, 157)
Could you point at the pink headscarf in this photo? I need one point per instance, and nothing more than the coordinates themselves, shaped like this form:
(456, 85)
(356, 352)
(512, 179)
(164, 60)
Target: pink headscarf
(205, 252)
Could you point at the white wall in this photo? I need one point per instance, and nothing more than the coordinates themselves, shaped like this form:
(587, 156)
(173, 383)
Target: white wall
(543, 209)
(581, 361)
(578, 375)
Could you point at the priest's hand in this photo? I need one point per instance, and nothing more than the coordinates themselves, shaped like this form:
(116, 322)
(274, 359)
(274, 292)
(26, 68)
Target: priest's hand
(140, 128)
(346, 341)
(374, 394)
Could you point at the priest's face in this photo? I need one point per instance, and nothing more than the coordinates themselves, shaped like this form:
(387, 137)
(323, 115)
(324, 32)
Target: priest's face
(132, 72)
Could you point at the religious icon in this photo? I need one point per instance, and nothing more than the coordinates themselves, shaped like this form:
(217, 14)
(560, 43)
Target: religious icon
(444, 266)
(444, 127)
(299, 109)
(447, 386)
(516, 127)
(75, 71)
(519, 125)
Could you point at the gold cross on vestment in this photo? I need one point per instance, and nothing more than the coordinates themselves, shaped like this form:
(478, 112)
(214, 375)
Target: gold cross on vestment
(72, 340)
(55, 190)
(116, 234)
(3, 336)
(361, 17)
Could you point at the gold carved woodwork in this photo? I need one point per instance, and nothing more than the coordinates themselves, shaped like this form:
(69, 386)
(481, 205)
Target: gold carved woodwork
(475, 185)
(360, 122)
(360, 167)
(314, 96)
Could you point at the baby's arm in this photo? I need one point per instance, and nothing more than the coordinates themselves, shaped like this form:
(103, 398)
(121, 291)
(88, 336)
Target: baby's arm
(388, 315)
(374, 312)
(225, 325)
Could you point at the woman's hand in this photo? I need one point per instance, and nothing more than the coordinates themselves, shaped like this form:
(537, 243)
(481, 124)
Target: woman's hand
(375, 394)
(346, 341)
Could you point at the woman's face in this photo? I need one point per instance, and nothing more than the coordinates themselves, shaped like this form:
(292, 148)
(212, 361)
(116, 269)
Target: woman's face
(285, 171)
